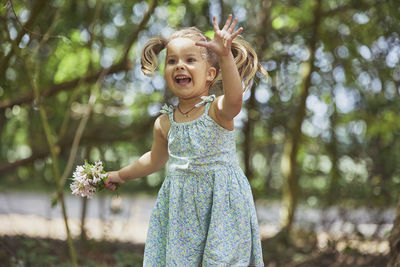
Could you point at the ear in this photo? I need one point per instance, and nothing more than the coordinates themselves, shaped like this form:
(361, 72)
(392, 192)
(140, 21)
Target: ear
(211, 72)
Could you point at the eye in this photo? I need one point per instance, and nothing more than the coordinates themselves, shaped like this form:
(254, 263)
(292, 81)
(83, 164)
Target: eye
(171, 61)
(191, 59)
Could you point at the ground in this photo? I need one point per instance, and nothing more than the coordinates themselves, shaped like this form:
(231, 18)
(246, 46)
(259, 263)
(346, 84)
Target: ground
(25, 251)
(300, 252)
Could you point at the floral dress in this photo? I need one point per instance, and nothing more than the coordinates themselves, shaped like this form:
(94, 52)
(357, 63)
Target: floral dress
(204, 214)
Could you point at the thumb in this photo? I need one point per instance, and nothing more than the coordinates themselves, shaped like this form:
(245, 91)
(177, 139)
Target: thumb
(203, 44)
(109, 178)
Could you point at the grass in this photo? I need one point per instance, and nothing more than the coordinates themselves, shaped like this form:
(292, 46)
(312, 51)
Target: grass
(26, 251)
(301, 251)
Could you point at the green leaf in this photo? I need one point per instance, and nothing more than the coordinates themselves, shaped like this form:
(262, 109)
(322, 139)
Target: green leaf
(66, 40)
(54, 200)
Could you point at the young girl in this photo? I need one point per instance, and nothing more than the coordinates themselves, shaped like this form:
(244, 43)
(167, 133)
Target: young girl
(204, 214)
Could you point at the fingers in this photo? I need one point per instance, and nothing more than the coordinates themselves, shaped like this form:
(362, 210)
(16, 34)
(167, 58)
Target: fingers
(222, 38)
(227, 23)
(110, 184)
(236, 33)
(233, 25)
(229, 26)
(203, 44)
(215, 23)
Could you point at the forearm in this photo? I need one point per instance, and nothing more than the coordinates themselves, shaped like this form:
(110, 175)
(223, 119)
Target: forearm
(231, 103)
(145, 165)
(231, 82)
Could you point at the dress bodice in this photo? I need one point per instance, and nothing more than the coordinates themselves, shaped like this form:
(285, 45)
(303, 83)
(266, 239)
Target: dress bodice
(200, 144)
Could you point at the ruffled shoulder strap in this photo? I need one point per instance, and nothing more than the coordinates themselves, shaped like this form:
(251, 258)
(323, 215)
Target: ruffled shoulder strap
(206, 99)
(167, 109)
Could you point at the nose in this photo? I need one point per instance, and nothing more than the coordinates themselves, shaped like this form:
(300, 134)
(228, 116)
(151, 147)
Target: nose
(179, 65)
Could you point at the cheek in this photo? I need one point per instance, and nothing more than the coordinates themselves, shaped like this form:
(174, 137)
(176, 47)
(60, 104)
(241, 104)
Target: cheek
(168, 80)
(168, 77)
(167, 68)
(167, 73)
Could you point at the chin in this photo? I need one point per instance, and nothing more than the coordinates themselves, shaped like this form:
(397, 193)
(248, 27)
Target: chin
(184, 94)
(183, 90)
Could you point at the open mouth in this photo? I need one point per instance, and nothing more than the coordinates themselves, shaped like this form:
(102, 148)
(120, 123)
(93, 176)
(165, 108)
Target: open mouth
(182, 79)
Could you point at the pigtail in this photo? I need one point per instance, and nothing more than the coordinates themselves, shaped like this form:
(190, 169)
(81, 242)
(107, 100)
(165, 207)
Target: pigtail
(246, 61)
(149, 55)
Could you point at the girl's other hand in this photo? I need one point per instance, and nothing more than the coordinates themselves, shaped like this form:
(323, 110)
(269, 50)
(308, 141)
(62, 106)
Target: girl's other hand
(113, 178)
(221, 44)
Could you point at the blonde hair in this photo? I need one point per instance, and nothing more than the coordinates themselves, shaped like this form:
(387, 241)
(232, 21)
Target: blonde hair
(245, 57)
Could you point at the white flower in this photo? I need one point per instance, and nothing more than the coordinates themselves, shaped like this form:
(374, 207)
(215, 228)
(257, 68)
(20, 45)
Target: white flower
(98, 166)
(88, 179)
(80, 171)
(83, 190)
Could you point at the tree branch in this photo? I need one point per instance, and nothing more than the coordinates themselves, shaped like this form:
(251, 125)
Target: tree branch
(123, 65)
(82, 125)
(356, 4)
(95, 136)
(141, 26)
(36, 11)
(54, 89)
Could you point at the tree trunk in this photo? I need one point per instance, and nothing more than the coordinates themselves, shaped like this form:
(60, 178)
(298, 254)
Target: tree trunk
(334, 157)
(271, 150)
(83, 236)
(248, 134)
(223, 11)
(263, 25)
(290, 188)
(394, 241)
(56, 171)
(291, 146)
(84, 202)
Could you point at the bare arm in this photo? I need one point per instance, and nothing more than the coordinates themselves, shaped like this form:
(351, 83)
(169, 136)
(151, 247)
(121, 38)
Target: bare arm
(230, 104)
(148, 163)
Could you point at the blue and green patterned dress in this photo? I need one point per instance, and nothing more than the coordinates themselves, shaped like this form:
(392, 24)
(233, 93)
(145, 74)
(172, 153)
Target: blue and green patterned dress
(204, 214)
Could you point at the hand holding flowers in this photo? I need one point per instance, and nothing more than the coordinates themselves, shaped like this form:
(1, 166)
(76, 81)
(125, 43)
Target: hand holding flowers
(113, 180)
(89, 179)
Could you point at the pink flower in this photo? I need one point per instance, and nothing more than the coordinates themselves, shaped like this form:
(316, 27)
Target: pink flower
(88, 179)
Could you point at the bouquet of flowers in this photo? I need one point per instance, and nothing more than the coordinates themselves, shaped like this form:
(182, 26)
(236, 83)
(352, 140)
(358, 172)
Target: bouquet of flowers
(88, 179)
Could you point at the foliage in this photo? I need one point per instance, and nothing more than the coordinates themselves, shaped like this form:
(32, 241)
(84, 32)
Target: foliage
(350, 135)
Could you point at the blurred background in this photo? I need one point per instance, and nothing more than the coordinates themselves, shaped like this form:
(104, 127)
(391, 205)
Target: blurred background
(319, 140)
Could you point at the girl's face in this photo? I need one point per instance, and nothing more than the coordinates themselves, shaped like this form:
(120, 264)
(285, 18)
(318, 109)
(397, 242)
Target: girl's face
(187, 72)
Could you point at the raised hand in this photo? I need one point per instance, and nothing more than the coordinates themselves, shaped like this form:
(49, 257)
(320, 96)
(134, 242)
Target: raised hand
(221, 44)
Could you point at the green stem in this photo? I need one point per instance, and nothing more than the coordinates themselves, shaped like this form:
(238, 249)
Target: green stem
(53, 153)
